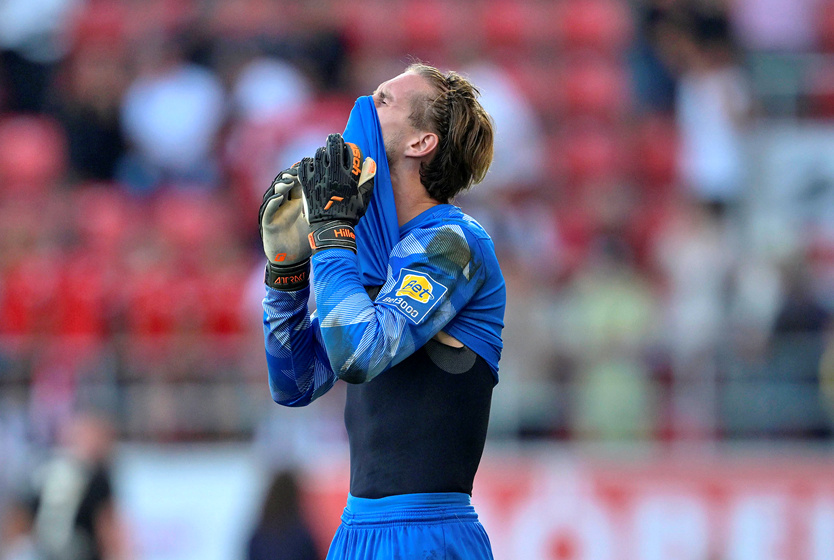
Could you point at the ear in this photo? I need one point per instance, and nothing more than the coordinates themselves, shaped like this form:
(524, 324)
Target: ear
(421, 144)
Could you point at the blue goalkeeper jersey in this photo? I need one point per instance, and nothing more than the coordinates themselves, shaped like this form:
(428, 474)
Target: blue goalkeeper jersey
(442, 275)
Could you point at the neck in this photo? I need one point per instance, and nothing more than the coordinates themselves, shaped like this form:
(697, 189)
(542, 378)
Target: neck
(410, 197)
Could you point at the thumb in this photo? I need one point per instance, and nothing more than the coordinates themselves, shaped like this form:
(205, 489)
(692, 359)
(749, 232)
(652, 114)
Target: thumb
(272, 207)
(366, 180)
(368, 172)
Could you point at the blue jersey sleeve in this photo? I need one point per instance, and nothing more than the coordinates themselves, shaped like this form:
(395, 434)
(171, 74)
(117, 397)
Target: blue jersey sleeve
(432, 273)
(299, 371)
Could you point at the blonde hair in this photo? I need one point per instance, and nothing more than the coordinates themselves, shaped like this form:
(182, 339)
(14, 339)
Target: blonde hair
(464, 130)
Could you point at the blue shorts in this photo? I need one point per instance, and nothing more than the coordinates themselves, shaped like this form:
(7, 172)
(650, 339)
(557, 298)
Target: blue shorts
(442, 526)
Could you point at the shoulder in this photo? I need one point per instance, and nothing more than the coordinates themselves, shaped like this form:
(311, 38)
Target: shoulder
(446, 236)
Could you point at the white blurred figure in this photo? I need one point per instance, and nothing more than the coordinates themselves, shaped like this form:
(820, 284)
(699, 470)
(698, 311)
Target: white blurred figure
(712, 104)
(172, 114)
(518, 139)
(696, 258)
(37, 29)
(76, 517)
(776, 25)
(512, 201)
(268, 97)
(269, 88)
(34, 38)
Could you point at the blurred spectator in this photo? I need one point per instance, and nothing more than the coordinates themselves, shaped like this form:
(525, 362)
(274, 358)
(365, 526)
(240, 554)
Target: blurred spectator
(172, 114)
(695, 257)
(313, 42)
(608, 320)
(712, 105)
(513, 176)
(281, 531)
(14, 446)
(33, 38)
(519, 141)
(827, 381)
(87, 105)
(101, 94)
(16, 542)
(32, 156)
(796, 352)
(267, 89)
(775, 25)
(76, 516)
(653, 76)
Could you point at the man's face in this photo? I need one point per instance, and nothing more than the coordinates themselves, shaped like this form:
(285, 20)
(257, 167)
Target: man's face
(393, 106)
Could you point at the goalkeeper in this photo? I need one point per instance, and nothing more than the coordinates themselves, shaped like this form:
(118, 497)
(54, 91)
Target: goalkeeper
(418, 346)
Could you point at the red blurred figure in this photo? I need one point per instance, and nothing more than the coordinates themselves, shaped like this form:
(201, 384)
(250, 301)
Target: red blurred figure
(825, 26)
(86, 291)
(655, 160)
(33, 155)
(29, 291)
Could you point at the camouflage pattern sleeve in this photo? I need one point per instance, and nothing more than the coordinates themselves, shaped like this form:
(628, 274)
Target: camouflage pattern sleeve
(299, 371)
(432, 274)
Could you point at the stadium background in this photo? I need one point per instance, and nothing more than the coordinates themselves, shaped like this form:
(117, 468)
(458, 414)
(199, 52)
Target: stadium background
(662, 201)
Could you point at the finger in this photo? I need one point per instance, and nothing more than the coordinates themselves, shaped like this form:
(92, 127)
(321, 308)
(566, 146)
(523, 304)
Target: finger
(306, 170)
(295, 193)
(284, 185)
(323, 159)
(272, 207)
(368, 171)
(336, 149)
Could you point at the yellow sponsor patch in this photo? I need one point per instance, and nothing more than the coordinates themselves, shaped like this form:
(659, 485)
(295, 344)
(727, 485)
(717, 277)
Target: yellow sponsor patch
(415, 295)
(417, 287)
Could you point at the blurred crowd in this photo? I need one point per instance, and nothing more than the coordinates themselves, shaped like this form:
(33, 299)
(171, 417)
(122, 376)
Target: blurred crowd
(652, 295)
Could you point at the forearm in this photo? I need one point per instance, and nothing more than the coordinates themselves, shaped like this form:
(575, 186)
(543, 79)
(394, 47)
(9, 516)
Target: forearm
(361, 339)
(299, 371)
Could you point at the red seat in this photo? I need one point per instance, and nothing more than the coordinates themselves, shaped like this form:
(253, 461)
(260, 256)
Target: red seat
(374, 25)
(193, 224)
(825, 26)
(585, 154)
(152, 16)
(27, 296)
(426, 22)
(33, 154)
(504, 23)
(655, 147)
(149, 305)
(104, 219)
(222, 301)
(599, 25)
(595, 87)
(100, 22)
(86, 288)
(820, 87)
(542, 83)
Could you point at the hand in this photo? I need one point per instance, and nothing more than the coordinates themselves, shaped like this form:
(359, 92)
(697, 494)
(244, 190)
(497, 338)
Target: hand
(284, 233)
(337, 186)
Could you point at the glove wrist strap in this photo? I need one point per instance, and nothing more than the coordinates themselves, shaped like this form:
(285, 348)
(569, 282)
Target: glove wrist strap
(326, 235)
(287, 278)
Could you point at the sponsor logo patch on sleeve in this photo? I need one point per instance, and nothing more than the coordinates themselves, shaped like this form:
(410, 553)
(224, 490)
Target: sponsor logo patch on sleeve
(415, 295)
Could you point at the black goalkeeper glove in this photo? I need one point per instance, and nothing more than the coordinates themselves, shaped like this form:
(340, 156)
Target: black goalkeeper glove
(337, 186)
(284, 233)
